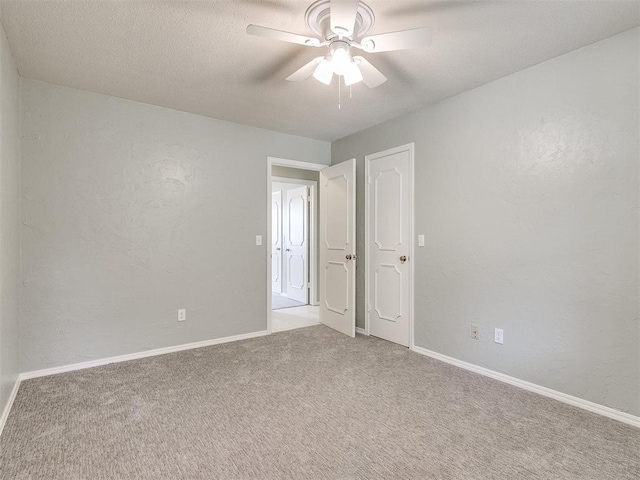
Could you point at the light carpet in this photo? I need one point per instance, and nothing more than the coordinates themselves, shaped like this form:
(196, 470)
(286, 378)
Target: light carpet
(303, 404)
(279, 302)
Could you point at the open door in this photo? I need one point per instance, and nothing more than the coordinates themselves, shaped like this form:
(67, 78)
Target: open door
(338, 247)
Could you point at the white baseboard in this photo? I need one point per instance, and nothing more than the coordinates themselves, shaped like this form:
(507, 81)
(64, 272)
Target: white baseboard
(7, 407)
(532, 387)
(135, 356)
(361, 331)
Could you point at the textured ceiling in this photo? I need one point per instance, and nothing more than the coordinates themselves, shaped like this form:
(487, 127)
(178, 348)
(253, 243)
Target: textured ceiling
(195, 55)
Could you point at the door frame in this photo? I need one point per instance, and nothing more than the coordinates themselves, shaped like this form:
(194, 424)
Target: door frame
(367, 209)
(283, 162)
(269, 237)
(314, 291)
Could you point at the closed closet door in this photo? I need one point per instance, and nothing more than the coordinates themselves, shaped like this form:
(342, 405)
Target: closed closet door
(297, 244)
(276, 242)
(389, 245)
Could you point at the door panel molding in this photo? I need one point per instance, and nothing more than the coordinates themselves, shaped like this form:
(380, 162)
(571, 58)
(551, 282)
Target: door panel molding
(337, 196)
(297, 205)
(388, 232)
(336, 297)
(388, 286)
(295, 281)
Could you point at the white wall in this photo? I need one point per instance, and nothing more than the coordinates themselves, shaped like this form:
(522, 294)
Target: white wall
(527, 190)
(9, 220)
(131, 211)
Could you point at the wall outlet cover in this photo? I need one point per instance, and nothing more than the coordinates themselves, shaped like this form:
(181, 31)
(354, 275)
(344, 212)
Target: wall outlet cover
(475, 331)
(498, 336)
(182, 315)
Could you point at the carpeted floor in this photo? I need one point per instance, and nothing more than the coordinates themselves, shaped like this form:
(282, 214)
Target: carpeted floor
(303, 404)
(279, 302)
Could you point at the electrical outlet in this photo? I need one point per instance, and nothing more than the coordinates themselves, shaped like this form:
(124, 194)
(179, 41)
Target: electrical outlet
(182, 315)
(475, 332)
(258, 240)
(421, 240)
(498, 336)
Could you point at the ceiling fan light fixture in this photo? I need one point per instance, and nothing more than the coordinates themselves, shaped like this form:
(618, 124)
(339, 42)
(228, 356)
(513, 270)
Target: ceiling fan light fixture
(352, 75)
(340, 60)
(341, 25)
(324, 72)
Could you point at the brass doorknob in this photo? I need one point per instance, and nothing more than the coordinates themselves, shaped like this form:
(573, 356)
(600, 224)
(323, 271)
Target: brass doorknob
(403, 258)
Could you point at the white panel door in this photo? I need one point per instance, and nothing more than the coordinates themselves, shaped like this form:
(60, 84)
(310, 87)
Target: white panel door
(276, 242)
(338, 247)
(297, 244)
(389, 245)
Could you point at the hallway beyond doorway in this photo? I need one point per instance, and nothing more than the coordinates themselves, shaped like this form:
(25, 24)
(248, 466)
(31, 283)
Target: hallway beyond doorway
(279, 301)
(296, 317)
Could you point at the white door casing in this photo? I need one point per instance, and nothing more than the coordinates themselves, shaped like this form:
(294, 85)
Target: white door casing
(297, 243)
(276, 242)
(389, 244)
(272, 161)
(338, 247)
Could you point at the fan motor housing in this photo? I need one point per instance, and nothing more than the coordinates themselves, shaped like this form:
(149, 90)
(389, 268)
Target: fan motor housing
(318, 19)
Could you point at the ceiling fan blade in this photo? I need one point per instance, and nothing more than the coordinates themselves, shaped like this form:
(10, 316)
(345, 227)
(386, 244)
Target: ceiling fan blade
(405, 39)
(282, 36)
(343, 16)
(371, 76)
(305, 72)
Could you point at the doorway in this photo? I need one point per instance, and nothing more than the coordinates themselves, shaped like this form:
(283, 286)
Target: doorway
(293, 245)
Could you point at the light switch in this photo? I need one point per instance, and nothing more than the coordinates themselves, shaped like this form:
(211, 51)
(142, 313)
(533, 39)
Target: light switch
(258, 240)
(421, 240)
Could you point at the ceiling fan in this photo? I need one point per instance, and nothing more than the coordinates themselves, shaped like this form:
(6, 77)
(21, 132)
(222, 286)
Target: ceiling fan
(341, 24)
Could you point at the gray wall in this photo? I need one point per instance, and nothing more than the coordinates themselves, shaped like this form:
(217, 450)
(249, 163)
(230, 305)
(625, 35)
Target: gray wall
(131, 211)
(527, 192)
(296, 173)
(9, 220)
